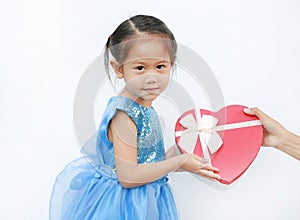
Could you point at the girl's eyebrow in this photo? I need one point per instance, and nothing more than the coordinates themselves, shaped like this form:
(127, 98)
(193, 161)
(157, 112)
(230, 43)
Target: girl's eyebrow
(143, 62)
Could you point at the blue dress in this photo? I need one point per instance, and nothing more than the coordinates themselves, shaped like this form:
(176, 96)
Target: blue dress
(88, 188)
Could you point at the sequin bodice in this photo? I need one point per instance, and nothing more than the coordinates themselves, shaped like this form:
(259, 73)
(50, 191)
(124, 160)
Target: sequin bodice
(149, 135)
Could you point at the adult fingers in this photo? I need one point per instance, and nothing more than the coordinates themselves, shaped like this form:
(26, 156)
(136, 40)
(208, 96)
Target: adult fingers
(256, 111)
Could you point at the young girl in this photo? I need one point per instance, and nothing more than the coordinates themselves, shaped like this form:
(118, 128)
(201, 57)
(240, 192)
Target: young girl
(128, 180)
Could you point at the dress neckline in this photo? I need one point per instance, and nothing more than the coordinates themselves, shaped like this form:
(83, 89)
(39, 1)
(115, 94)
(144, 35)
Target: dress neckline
(131, 100)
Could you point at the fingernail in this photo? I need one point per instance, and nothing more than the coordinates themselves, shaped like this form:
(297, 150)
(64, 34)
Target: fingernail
(248, 110)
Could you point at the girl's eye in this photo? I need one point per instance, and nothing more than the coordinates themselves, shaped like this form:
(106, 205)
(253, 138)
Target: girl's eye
(160, 66)
(139, 68)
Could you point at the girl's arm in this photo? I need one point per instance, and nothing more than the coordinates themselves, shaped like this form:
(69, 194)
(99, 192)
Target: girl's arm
(123, 134)
(171, 152)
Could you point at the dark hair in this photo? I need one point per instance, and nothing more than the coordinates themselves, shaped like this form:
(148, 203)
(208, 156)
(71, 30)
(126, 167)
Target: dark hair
(134, 26)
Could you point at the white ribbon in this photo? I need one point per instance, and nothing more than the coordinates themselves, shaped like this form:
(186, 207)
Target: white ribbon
(205, 127)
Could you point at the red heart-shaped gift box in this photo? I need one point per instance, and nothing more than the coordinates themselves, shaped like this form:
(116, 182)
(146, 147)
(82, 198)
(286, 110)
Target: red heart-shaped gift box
(241, 135)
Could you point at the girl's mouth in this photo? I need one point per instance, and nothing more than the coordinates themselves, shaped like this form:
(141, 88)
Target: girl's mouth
(152, 90)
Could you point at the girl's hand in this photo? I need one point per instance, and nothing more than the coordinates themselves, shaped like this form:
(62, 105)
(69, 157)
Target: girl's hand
(199, 166)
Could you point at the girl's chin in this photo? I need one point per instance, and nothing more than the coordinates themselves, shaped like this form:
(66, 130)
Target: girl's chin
(150, 96)
(143, 96)
(147, 100)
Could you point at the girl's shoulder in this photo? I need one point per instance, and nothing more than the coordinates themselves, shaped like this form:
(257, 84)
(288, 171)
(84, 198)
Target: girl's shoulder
(132, 108)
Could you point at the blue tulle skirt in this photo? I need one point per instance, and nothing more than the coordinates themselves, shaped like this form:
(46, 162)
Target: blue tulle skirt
(83, 192)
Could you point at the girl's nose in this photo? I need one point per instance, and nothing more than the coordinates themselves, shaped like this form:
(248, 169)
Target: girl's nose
(150, 78)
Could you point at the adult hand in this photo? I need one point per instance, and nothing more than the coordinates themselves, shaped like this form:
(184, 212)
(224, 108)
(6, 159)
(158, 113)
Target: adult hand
(275, 135)
(273, 130)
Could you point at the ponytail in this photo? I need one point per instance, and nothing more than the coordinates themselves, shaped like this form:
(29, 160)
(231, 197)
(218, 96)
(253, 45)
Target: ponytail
(106, 56)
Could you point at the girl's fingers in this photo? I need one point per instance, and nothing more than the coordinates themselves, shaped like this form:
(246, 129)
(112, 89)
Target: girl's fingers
(210, 168)
(213, 179)
(208, 174)
(203, 160)
(204, 165)
(205, 170)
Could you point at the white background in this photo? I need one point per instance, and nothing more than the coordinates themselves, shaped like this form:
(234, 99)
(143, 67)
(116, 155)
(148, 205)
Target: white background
(252, 47)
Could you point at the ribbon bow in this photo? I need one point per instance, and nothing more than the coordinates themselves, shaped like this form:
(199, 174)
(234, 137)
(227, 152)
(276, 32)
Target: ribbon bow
(202, 127)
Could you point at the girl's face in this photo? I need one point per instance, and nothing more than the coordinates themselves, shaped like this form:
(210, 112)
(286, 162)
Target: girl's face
(146, 70)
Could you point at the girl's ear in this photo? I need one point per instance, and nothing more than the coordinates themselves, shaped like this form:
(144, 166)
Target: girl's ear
(117, 68)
